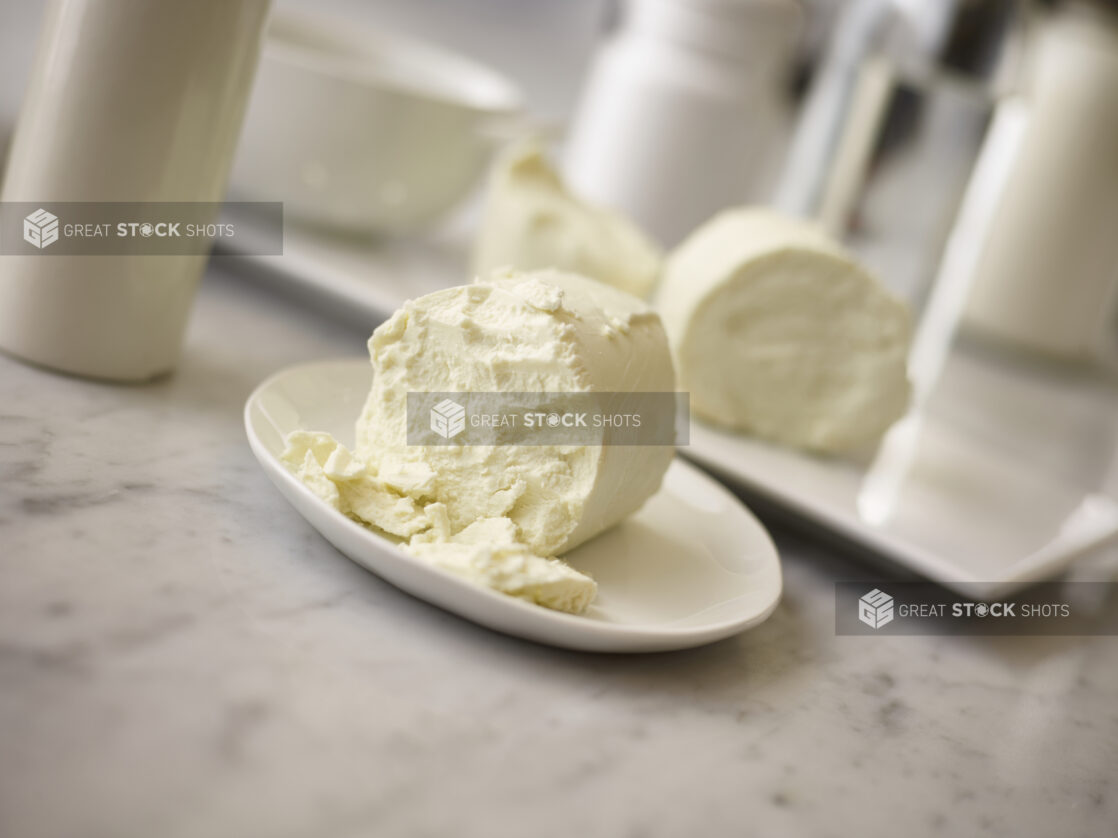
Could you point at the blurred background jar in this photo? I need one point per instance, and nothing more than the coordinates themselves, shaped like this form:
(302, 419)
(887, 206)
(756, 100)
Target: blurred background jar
(680, 108)
(1047, 279)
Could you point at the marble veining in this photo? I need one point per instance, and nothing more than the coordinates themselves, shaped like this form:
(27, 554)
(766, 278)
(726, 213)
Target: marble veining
(181, 655)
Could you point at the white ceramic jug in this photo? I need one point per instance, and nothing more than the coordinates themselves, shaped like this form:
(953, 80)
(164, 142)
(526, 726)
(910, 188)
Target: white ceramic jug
(675, 120)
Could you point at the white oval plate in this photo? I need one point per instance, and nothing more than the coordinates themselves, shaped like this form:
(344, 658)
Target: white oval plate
(692, 566)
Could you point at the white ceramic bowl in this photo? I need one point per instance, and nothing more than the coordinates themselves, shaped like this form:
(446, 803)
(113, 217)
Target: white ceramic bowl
(366, 131)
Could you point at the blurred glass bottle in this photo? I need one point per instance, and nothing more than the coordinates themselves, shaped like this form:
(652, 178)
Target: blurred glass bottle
(893, 125)
(675, 118)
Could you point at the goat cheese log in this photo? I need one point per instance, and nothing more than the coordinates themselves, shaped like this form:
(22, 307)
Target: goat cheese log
(498, 514)
(778, 332)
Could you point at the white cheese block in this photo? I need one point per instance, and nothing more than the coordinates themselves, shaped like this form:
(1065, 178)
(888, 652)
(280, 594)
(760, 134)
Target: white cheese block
(778, 332)
(532, 222)
(497, 514)
(540, 332)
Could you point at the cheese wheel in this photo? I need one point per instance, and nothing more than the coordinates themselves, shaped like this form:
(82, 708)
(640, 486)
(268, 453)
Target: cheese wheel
(778, 332)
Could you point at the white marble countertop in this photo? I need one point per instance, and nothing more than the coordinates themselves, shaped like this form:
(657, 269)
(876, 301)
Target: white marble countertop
(181, 655)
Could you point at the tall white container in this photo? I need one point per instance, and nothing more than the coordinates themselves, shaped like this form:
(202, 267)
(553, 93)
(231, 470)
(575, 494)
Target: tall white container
(1048, 275)
(129, 100)
(675, 118)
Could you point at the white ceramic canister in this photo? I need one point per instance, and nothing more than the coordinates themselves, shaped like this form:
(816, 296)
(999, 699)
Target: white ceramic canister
(678, 109)
(129, 101)
(1047, 279)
